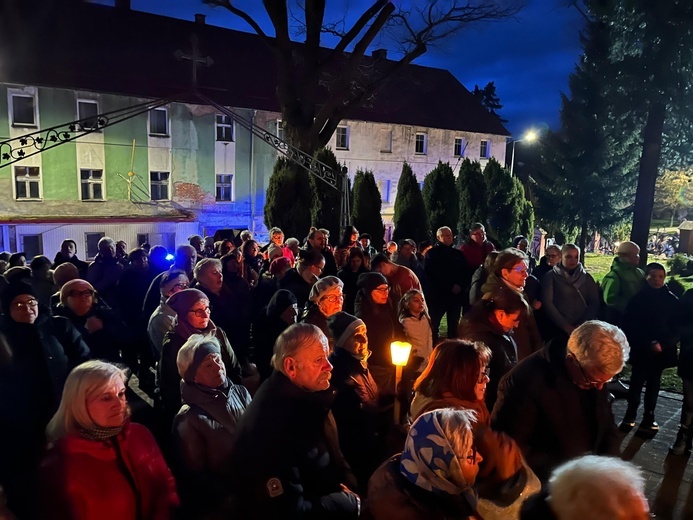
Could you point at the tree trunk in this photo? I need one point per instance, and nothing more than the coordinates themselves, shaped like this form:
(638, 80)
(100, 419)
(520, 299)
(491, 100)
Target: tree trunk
(647, 177)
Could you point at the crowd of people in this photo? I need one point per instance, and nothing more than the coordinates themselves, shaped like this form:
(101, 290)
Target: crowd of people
(269, 369)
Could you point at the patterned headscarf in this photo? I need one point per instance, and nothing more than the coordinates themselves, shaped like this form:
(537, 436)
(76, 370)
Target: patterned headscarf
(429, 460)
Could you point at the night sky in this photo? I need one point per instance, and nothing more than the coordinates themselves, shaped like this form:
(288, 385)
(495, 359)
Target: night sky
(529, 57)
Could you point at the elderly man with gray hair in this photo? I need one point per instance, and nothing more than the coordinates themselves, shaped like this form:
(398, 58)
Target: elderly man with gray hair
(554, 403)
(286, 460)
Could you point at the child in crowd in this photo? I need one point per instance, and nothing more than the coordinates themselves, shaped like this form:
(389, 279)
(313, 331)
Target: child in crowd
(413, 315)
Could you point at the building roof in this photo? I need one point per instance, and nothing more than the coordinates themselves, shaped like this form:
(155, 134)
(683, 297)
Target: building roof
(108, 50)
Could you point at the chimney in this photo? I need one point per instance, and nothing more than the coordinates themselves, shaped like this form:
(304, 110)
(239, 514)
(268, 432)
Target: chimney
(200, 18)
(379, 54)
(123, 4)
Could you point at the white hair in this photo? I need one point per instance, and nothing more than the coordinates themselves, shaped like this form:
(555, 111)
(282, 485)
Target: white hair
(204, 264)
(595, 488)
(186, 354)
(599, 345)
(292, 340)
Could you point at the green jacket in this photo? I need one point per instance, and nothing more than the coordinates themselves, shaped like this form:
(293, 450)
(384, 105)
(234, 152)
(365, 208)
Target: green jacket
(621, 284)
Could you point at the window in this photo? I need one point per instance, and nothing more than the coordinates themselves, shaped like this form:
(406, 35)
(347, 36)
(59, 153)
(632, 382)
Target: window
(91, 243)
(87, 112)
(27, 181)
(386, 141)
(224, 128)
(384, 186)
(23, 110)
(224, 187)
(158, 185)
(421, 186)
(459, 147)
(279, 129)
(158, 121)
(484, 149)
(421, 139)
(92, 184)
(342, 138)
(32, 245)
(142, 238)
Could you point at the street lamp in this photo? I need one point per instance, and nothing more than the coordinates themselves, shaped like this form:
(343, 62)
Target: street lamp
(530, 137)
(399, 350)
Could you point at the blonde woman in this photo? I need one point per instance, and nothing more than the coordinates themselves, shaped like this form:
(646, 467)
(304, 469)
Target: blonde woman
(100, 465)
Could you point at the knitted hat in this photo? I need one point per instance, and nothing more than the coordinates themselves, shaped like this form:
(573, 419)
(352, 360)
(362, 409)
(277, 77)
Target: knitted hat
(64, 273)
(274, 251)
(281, 300)
(74, 285)
(13, 290)
(192, 354)
(279, 264)
(371, 280)
(17, 273)
(325, 287)
(342, 326)
(182, 301)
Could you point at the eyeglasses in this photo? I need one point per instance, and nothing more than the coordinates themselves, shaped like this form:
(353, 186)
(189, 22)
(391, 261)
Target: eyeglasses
(484, 376)
(181, 286)
(471, 458)
(595, 384)
(202, 313)
(479, 234)
(521, 269)
(81, 294)
(321, 269)
(333, 298)
(382, 289)
(29, 303)
(555, 255)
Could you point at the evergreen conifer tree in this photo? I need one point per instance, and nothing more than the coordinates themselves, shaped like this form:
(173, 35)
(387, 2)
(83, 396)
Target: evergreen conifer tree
(288, 199)
(326, 201)
(410, 214)
(504, 202)
(366, 211)
(472, 191)
(440, 198)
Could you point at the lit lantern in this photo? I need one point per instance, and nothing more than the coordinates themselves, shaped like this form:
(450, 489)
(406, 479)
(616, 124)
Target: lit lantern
(399, 352)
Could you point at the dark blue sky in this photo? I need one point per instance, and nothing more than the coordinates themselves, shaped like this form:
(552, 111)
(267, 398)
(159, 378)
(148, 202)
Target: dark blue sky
(529, 56)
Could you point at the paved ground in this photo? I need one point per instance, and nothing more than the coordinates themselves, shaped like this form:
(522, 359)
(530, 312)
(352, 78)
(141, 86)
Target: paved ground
(669, 478)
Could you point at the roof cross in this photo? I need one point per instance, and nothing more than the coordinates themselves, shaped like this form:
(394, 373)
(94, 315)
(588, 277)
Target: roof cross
(194, 58)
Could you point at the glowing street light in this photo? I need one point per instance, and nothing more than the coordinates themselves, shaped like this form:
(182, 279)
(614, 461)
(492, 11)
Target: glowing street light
(399, 351)
(530, 136)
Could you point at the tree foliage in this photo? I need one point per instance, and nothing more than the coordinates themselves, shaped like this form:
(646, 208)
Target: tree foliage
(505, 202)
(673, 190)
(288, 193)
(488, 98)
(410, 214)
(316, 88)
(585, 176)
(440, 198)
(366, 211)
(326, 200)
(471, 188)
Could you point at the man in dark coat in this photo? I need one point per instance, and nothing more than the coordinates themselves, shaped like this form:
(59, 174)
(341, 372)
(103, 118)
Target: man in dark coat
(286, 460)
(554, 403)
(317, 241)
(449, 277)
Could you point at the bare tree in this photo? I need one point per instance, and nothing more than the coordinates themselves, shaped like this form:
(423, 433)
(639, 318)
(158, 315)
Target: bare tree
(318, 87)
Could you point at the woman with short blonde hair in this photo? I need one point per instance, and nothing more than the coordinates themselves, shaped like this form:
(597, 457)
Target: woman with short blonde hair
(101, 465)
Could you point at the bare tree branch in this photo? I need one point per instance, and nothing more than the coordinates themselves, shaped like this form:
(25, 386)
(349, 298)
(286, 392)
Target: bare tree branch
(241, 14)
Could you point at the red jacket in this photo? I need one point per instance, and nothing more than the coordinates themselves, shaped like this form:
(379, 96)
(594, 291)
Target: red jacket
(82, 479)
(475, 254)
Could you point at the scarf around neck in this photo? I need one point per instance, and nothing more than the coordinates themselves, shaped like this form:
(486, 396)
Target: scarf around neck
(576, 279)
(100, 434)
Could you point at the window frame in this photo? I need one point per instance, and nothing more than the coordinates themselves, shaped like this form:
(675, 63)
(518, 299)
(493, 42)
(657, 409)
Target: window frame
(86, 243)
(424, 142)
(230, 185)
(230, 126)
(461, 142)
(95, 127)
(38, 180)
(385, 193)
(90, 183)
(345, 135)
(34, 103)
(486, 149)
(167, 123)
(279, 129)
(153, 183)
